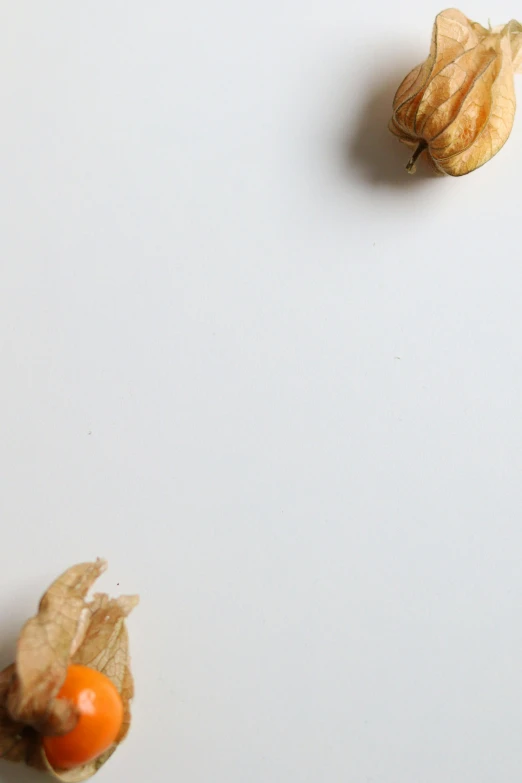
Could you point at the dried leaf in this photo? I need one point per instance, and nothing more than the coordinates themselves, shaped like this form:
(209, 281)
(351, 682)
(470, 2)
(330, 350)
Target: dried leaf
(67, 629)
(458, 107)
(44, 651)
(106, 647)
(15, 744)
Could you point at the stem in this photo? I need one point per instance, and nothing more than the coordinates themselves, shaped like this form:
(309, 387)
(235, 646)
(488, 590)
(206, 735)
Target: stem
(412, 164)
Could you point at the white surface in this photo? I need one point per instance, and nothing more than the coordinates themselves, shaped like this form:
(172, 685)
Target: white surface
(272, 379)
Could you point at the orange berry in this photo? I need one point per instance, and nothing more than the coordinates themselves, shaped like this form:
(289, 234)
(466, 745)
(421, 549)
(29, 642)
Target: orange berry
(101, 716)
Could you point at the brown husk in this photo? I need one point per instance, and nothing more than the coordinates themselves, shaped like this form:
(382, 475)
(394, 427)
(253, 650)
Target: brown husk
(458, 107)
(67, 629)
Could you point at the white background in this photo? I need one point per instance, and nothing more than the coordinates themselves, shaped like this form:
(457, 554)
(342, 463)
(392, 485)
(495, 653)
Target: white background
(273, 379)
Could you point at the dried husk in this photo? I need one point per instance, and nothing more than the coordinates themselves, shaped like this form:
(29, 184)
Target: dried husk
(457, 108)
(67, 629)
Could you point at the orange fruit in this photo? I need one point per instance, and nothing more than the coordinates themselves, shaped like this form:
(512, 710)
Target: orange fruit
(101, 715)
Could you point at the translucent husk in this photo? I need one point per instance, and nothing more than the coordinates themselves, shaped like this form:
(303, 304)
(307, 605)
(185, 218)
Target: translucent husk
(457, 108)
(67, 629)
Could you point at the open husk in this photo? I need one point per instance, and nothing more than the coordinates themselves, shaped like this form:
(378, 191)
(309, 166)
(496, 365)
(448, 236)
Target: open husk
(457, 108)
(67, 629)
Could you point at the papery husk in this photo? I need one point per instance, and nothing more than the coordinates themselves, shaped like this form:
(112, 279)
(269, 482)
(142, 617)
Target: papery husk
(457, 108)
(67, 629)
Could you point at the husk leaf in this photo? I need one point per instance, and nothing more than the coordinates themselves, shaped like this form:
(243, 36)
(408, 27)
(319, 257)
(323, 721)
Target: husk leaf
(458, 107)
(67, 629)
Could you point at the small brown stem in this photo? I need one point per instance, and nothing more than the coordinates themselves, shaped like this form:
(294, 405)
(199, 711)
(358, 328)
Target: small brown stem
(412, 163)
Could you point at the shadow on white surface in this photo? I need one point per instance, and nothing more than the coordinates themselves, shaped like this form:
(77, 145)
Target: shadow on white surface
(369, 149)
(19, 773)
